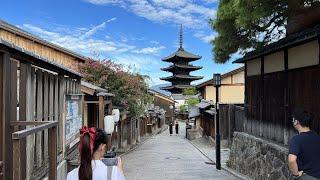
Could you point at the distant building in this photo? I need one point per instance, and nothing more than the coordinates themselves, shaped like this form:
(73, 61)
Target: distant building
(180, 69)
(164, 102)
(231, 91)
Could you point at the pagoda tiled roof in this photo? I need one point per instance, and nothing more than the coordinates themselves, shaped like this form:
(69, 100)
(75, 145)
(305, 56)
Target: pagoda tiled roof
(190, 67)
(182, 77)
(176, 87)
(181, 53)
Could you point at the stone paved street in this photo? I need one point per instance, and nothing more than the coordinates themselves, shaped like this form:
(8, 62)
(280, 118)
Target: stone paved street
(165, 157)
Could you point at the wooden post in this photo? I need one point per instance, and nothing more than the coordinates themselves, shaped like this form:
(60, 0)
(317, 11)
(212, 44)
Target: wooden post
(262, 108)
(45, 113)
(245, 97)
(62, 91)
(101, 112)
(17, 164)
(1, 120)
(28, 113)
(286, 101)
(39, 116)
(6, 105)
(52, 153)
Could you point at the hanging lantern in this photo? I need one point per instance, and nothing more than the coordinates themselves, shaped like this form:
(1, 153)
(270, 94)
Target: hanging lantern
(116, 115)
(109, 124)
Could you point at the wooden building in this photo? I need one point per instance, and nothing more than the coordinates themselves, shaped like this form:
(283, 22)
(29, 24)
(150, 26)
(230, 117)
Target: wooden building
(206, 122)
(164, 102)
(97, 104)
(231, 90)
(280, 77)
(40, 91)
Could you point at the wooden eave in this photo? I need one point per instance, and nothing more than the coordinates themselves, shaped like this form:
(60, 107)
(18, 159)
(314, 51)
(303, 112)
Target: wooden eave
(210, 81)
(27, 56)
(292, 40)
(13, 29)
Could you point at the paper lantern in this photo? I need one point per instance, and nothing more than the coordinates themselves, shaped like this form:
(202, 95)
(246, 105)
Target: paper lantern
(116, 114)
(109, 124)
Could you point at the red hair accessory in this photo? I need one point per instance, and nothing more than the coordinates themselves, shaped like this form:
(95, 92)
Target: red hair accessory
(92, 133)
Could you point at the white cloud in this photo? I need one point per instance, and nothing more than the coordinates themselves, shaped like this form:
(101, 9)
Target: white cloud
(100, 2)
(90, 46)
(84, 45)
(145, 64)
(210, 1)
(97, 28)
(187, 12)
(149, 50)
(205, 38)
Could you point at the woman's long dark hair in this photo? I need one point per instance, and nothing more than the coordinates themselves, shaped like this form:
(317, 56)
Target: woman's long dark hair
(85, 169)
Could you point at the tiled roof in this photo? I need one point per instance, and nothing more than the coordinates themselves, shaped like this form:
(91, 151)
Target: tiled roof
(210, 81)
(182, 54)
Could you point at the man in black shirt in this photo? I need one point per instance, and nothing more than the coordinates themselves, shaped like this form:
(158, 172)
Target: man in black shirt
(304, 150)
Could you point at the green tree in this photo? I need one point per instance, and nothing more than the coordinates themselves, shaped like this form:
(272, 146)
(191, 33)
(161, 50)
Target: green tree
(183, 108)
(130, 89)
(247, 24)
(191, 101)
(190, 91)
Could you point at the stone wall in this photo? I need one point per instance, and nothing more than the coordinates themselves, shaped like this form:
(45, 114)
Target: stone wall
(258, 158)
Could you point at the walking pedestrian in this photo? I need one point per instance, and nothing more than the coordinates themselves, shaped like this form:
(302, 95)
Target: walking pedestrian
(177, 127)
(304, 159)
(170, 128)
(93, 143)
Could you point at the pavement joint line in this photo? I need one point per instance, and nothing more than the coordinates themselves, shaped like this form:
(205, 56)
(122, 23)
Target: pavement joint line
(236, 174)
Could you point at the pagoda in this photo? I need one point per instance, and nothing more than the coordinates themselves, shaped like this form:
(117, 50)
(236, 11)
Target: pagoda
(180, 69)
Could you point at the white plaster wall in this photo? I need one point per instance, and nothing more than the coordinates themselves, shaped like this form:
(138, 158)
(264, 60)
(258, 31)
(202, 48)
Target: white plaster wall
(232, 94)
(226, 80)
(254, 67)
(238, 78)
(274, 62)
(303, 55)
(210, 93)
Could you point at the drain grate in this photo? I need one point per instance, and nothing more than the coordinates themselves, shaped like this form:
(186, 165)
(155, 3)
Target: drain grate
(172, 158)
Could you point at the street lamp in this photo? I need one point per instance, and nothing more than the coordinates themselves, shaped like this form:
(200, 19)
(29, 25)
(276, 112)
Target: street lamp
(217, 84)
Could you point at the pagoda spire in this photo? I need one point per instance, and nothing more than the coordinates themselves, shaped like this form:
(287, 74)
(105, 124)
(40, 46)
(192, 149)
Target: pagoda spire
(181, 37)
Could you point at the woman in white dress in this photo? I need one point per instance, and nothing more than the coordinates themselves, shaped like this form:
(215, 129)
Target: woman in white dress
(93, 142)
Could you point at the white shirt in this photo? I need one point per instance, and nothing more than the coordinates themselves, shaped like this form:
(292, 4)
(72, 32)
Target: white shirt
(99, 172)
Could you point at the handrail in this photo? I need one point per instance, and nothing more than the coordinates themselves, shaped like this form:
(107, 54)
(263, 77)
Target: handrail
(18, 136)
(26, 132)
(28, 123)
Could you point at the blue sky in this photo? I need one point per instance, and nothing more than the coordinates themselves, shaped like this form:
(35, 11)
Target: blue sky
(136, 33)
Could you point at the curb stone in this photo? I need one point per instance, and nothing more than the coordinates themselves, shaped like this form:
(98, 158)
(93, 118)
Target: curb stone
(231, 171)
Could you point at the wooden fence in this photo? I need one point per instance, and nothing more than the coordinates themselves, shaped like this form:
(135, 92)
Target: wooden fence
(271, 99)
(31, 90)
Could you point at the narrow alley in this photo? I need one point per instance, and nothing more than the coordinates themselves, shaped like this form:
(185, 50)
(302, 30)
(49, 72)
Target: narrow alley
(170, 157)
